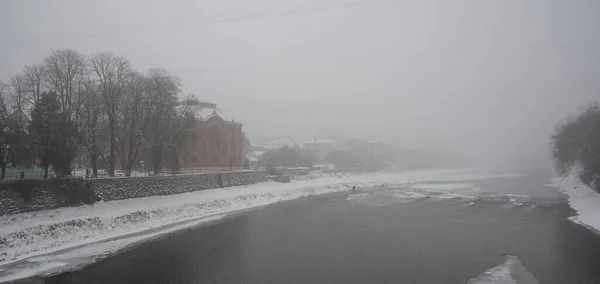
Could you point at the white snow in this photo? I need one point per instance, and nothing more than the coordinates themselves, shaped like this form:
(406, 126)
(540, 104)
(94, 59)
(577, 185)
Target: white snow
(31, 271)
(582, 199)
(63, 259)
(442, 186)
(109, 226)
(511, 271)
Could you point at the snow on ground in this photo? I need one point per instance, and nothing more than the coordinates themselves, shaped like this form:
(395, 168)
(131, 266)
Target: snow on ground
(582, 199)
(32, 270)
(24, 236)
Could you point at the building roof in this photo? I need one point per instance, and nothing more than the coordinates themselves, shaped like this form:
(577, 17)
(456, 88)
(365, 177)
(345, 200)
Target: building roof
(208, 111)
(275, 144)
(320, 141)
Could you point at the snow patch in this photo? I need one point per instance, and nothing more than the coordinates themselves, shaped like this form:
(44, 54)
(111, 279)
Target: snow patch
(447, 191)
(442, 186)
(515, 202)
(356, 196)
(32, 271)
(511, 271)
(584, 200)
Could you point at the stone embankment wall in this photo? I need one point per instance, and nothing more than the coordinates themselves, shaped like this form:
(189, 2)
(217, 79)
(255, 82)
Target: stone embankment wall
(18, 196)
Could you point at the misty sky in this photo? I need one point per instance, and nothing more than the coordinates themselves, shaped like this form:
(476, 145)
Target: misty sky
(488, 78)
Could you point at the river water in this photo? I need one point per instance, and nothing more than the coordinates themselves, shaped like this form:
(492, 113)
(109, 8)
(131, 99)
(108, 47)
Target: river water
(501, 230)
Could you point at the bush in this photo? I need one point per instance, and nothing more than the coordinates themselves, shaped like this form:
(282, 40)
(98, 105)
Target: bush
(74, 191)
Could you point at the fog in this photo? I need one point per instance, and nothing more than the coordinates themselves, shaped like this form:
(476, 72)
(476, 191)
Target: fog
(488, 79)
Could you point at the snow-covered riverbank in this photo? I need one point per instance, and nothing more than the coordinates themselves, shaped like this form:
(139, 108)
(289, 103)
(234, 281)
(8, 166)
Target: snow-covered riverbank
(582, 199)
(104, 227)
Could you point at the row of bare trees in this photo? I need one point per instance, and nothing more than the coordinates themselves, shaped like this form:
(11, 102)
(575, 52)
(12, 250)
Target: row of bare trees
(97, 106)
(576, 142)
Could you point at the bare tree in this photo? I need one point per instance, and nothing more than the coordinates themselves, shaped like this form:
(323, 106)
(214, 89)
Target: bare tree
(163, 90)
(111, 73)
(18, 97)
(5, 143)
(182, 132)
(33, 82)
(134, 121)
(65, 69)
(90, 121)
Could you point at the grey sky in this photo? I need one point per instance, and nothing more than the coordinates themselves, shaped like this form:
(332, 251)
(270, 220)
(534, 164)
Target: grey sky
(490, 78)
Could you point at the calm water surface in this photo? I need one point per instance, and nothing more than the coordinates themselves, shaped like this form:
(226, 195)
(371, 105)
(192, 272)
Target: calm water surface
(385, 235)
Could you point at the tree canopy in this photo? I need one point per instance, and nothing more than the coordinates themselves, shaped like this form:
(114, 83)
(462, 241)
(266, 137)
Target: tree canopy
(95, 107)
(576, 143)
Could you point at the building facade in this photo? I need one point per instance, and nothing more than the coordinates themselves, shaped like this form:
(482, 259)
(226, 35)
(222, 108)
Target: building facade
(218, 144)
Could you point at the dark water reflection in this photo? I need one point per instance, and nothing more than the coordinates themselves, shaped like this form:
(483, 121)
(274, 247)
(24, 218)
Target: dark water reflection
(329, 239)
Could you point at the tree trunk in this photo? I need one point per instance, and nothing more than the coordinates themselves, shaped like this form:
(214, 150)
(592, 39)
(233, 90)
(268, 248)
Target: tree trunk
(94, 162)
(157, 158)
(113, 147)
(46, 171)
(174, 161)
(128, 169)
(3, 174)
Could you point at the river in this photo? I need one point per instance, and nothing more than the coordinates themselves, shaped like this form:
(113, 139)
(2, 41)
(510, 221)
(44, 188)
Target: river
(512, 229)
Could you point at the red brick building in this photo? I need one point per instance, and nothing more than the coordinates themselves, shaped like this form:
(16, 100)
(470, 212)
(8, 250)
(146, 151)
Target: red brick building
(219, 143)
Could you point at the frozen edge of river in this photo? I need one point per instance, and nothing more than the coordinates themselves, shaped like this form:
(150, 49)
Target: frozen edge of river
(584, 200)
(25, 236)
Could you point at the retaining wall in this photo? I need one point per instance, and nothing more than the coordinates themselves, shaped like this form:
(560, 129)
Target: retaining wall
(18, 196)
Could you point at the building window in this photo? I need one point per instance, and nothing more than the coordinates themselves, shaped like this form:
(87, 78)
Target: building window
(214, 141)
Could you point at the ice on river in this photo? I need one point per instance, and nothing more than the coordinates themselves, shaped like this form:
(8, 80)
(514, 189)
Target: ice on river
(511, 271)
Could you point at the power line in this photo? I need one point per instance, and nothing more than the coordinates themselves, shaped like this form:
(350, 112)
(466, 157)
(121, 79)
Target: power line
(297, 10)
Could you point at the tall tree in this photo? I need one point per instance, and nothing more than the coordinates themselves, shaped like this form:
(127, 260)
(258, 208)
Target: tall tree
(18, 97)
(111, 73)
(163, 91)
(64, 144)
(53, 135)
(44, 119)
(5, 139)
(90, 122)
(182, 134)
(134, 121)
(33, 82)
(65, 69)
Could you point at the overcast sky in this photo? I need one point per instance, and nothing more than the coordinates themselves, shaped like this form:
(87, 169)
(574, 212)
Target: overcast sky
(489, 78)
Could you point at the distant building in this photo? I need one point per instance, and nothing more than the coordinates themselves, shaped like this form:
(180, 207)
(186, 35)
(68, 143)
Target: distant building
(219, 143)
(277, 144)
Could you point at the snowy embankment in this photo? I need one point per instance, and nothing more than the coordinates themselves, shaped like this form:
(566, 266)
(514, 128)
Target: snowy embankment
(40, 233)
(582, 199)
